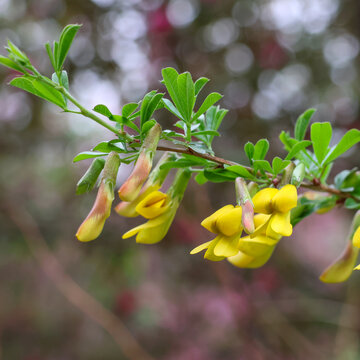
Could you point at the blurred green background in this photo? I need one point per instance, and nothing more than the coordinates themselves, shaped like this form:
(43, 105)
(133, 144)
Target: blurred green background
(272, 59)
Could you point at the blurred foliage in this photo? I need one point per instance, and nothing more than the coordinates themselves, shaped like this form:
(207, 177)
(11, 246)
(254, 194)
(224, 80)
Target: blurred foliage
(271, 60)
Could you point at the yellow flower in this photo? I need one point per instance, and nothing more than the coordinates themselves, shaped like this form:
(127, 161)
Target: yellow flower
(160, 209)
(226, 223)
(254, 252)
(278, 204)
(155, 229)
(154, 182)
(128, 208)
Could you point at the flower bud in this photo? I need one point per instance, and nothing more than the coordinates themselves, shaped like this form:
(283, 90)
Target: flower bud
(341, 269)
(298, 175)
(154, 182)
(243, 199)
(92, 226)
(287, 175)
(132, 186)
(88, 181)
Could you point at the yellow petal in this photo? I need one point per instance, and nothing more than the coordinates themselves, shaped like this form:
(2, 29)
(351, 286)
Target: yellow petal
(341, 269)
(356, 238)
(262, 200)
(209, 254)
(226, 246)
(229, 223)
(245, 261)
(260, 219)
(240, 260)
(210, 222)
(280, 224)
(132, 232)
(153, 230)
(261, 260)
(200, 248)
(128, 209)
(257, 246)
(91, 228)
(153, 205)
(285, 199)
(261, 222)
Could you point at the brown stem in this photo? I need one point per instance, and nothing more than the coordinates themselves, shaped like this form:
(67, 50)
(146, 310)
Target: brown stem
(200, 155)
(221, 161)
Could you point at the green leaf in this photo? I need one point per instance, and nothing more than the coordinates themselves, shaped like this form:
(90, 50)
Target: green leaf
(206, 132)
(125, 121)
(186, 95)
(11, 64)
(88, 181)
(240, 171)
(219, 175)
(341, 177)
(320, 136)
(128, 109)
(352, 204)
(200, 178)
(199, 84)
(300, 146)
(351, 138)
(249, 151)
(302, 124)
(148, 106)
(88, 155)
(64, 80)
(49, 92)
(41, 89)
(326, 173)
(170, 106)
(199, 147)
(147, 126)
(107, 146)
(51, 55)
(17, 54)
(210, 100)
(103, 110)
(260, 150)
(263, 165)
(56, 53)
(278, 165)
(183, 162)
(170, 77)
(66, 39)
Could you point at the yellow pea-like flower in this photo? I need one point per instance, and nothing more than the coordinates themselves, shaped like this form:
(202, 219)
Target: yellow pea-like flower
(278, 204)
(153, 230)
(226, 223)
(160, 210)
(153, 183)
(153, 205)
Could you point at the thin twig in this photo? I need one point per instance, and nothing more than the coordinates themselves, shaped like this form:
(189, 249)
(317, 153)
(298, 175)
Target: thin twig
(70, 289)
